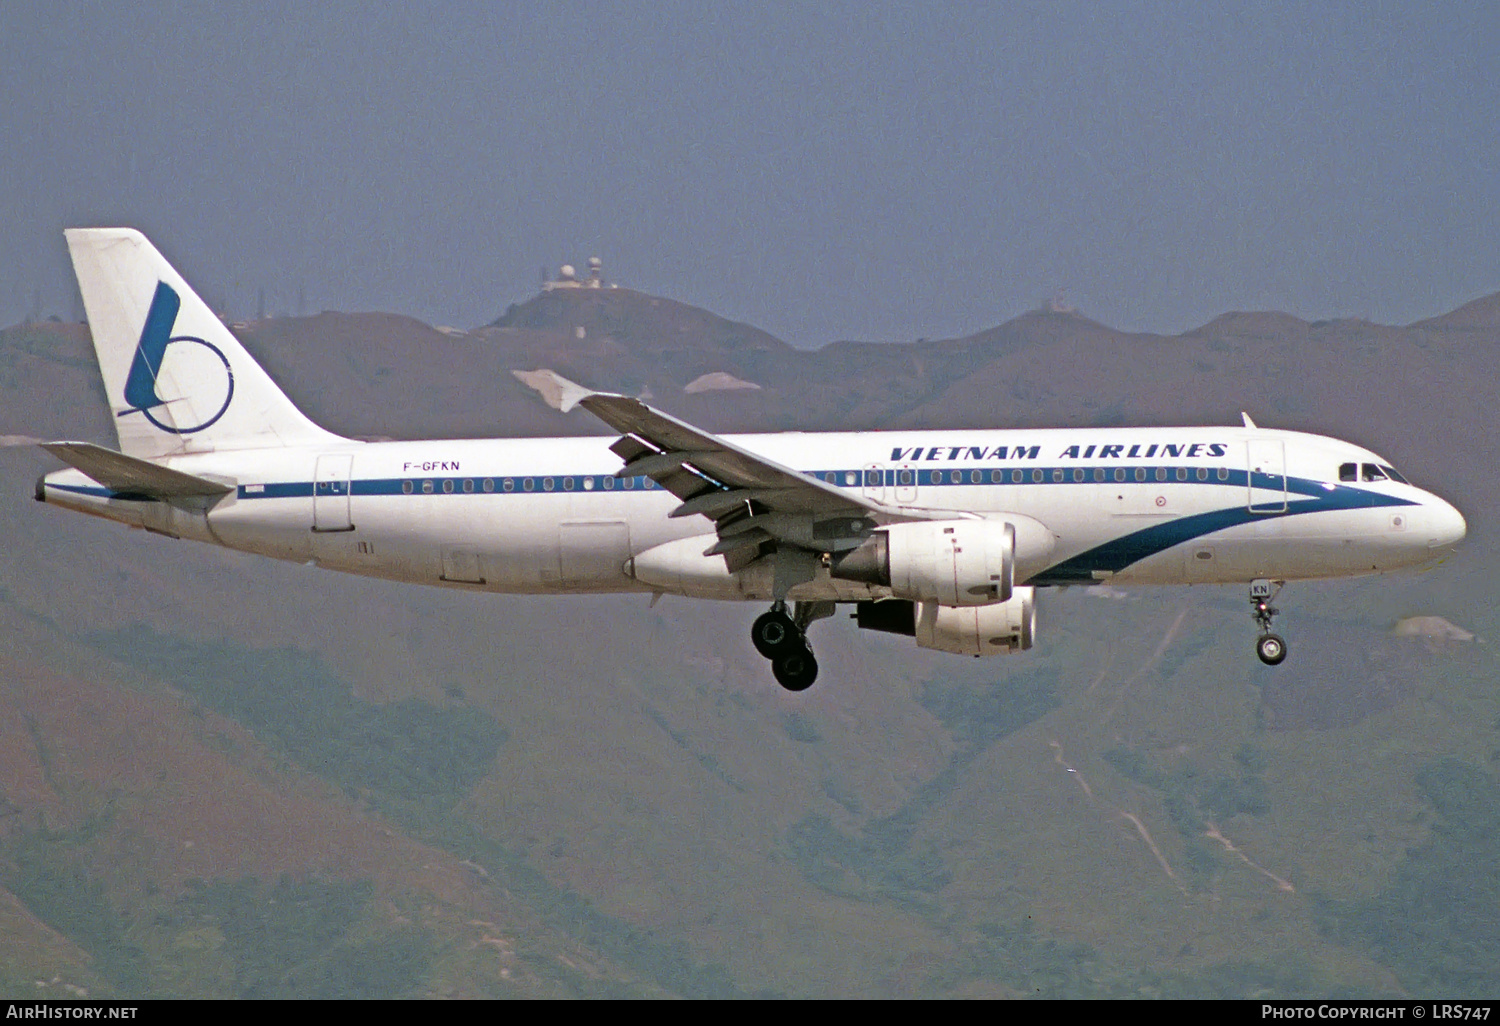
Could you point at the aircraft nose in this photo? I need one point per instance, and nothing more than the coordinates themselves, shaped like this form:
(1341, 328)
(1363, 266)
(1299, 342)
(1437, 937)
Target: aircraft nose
(1445, 525)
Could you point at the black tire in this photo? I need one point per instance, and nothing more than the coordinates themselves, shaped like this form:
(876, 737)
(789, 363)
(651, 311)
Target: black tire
(1271, 648)
(795, 670)
(773, 633)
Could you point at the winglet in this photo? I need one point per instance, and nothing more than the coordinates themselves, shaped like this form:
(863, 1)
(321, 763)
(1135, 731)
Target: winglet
(559, 393)
(1248, 422)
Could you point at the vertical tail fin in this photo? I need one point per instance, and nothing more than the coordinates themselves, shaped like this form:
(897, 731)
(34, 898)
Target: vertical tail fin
(177, 379)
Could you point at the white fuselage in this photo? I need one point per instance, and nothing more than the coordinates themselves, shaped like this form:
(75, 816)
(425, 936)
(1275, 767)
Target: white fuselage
(1147, 505)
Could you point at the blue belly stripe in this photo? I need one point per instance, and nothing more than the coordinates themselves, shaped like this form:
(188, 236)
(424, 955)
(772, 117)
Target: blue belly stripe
(1114, 556)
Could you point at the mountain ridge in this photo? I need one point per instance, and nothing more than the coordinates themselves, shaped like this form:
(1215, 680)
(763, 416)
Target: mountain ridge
(1108, 815)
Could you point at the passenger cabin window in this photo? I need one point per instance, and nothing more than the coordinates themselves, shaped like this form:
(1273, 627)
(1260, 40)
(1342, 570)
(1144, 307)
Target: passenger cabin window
(1348, 471)
(1374, 473)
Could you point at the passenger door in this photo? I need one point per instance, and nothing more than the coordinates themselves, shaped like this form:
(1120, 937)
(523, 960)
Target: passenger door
(1266, 463)
(331, 493)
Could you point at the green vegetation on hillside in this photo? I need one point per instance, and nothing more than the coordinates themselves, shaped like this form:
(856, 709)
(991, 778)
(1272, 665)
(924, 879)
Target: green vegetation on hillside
(882, 858)
(46, 873)
(1438, 923)
(229, 938)
(1028, 964)
(415, 762)
(1193, 799)
(408, 750)
(291, 939)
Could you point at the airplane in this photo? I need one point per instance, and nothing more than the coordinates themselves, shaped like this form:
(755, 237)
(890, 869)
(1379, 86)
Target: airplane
(941, 536)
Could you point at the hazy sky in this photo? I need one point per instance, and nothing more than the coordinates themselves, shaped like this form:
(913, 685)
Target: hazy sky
(823, 170)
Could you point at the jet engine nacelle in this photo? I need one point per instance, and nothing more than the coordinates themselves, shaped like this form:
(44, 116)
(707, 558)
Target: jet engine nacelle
(979, 630)
(995, 629)
(949, 562)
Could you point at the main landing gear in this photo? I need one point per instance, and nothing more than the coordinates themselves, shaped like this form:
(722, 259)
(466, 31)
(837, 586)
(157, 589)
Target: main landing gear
(782, 638)
(1270, 647)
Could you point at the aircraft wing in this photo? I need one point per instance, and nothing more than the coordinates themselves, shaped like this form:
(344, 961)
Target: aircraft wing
(130, 475)
(752, 500)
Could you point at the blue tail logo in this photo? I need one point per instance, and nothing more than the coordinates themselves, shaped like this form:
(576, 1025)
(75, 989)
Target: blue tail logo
(156, 337)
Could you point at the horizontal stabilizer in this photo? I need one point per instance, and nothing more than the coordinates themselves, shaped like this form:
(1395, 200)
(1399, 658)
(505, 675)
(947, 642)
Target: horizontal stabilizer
(121, 473)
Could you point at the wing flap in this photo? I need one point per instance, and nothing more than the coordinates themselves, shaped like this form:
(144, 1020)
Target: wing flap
(716, 502)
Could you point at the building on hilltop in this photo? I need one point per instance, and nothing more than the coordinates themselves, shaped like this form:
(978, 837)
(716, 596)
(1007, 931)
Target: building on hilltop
(567, 278)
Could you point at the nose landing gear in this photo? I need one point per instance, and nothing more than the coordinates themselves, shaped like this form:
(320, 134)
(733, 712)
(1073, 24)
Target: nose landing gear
(1271, 648)
(782, 638)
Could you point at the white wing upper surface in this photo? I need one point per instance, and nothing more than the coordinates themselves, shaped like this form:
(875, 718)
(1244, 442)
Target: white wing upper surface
(752, 500)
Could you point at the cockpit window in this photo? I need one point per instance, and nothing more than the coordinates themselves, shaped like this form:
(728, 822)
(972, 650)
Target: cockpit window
(1374, 473)
(1390, 472)
(1348, 471)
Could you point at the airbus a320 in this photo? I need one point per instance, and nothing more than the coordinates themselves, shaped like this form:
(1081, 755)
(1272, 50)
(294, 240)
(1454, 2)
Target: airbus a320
(943, 536)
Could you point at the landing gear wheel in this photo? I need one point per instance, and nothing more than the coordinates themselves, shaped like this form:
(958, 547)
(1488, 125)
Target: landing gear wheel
(795, 669)
(1271, 649)
(774, 632)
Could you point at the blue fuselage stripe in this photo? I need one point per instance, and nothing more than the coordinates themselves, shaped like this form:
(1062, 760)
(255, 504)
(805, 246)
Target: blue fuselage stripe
(1301, 496)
